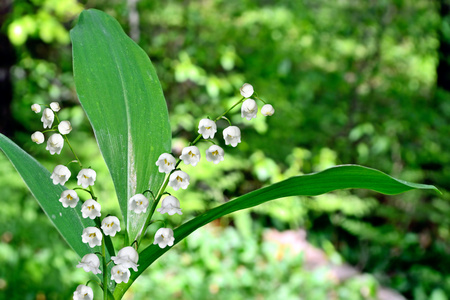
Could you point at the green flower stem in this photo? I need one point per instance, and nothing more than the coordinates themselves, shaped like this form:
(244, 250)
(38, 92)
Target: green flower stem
(86, 190)
(218, 118)
(105, 271)
(91, 190)
(256, 96)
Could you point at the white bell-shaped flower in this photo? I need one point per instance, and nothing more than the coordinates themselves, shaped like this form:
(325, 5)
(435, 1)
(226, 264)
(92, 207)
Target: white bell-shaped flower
(92, 236)
(64, 127)
(110, 225)
(138, 203)
(36, 108)
(69, 198)
(55, 106)
(170, 205)
(83, 292)
(215, 154)
(164, 237)
(166, 163)
(38, 137)
(127, 257)
(60, 175)
(232, 135)
(91, 209)
(90, 263)
(267, 110)
(86, 178)
(120, 274)
(249, 109)
(207, 128)
(55, 143)
(47, 118)
(246, 90)
(190, 155)
(179, 179)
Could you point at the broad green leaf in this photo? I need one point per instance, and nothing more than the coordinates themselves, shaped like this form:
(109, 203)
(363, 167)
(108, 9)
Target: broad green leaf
(122, 97)
(340, 177)
(68, 221)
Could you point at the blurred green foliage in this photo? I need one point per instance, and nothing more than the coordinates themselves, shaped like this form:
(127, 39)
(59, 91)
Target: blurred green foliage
(351, 82)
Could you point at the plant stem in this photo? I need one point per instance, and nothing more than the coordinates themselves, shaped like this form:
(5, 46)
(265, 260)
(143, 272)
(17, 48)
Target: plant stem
(105, 271)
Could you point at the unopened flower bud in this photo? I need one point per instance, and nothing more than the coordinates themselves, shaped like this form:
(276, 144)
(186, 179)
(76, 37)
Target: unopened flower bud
(246, 90)
(65, 127)
(55, 106)
(38, 137)
(267, 110)
(36, 108)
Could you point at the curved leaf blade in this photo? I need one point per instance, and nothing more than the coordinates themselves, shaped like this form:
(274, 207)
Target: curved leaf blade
(339, 177)
(120, 92)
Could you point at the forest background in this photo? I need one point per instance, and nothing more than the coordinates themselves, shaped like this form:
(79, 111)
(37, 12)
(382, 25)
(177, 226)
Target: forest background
(363, 82)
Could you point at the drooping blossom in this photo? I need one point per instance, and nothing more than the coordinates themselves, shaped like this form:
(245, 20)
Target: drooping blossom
(120, 274)
(207, 128)
(90, 263)
(83, 292)
(86, 178)
(166, 163)
(164, 237)
(190, 155)
(138, 203)
(47, 117)
(215, 154)
(267, 110)
(69, 198)
(249, 109)
(127, 257)
(65, 127)
(92, 236)
(36, 108)
(55, 106)
(232, 135)
(60, 175)
(55, 143)
(179, 179)
(246, 90)
(170, 205)
(38, 137)
(91, 209)
(110, 225)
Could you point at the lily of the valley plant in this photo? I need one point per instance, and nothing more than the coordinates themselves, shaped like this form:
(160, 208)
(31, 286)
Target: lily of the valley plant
(123, 100)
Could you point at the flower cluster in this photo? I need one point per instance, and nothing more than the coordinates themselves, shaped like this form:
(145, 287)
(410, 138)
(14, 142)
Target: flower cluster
(190, 155)
(127, 258)
(55, 142)
(90, 208)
